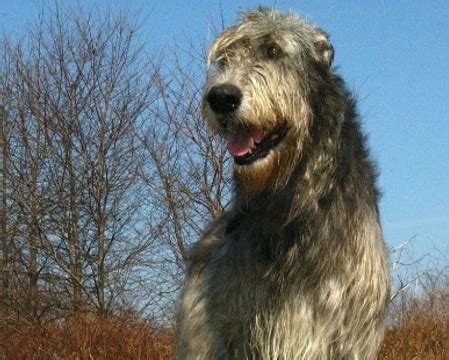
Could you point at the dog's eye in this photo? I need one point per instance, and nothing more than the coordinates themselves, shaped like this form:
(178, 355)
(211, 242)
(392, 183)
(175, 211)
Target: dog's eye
(222, 62)
(272, 51)
(216, 66)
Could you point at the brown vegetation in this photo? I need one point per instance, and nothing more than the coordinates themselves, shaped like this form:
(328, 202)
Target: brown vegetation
(84, 336)
(421, 330)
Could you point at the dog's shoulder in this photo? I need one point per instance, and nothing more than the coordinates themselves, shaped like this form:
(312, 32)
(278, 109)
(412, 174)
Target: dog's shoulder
(212, 237)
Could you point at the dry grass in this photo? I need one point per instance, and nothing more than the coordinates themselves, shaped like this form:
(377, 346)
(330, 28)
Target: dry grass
(421, 330)
(84, 337)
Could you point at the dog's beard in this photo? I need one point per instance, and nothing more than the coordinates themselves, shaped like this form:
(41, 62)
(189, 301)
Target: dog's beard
(270, 172)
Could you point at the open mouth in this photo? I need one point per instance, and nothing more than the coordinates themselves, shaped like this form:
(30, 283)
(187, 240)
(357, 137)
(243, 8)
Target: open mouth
(248, 145)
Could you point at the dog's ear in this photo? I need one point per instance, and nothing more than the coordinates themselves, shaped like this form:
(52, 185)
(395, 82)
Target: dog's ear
(324, 51)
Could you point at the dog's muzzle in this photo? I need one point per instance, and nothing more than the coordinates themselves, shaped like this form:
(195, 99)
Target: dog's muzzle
(245, 144)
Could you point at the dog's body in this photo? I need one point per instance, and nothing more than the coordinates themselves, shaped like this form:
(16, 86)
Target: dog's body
(297, 268)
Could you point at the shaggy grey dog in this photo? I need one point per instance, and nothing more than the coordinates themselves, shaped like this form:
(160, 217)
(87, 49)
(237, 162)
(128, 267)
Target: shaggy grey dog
(297, 268)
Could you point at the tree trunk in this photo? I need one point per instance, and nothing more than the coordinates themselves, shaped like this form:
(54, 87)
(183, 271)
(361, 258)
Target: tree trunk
(101, 223)
(4, 236)
(72, 227)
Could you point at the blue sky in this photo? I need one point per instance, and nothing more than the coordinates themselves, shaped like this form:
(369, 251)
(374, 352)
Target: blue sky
(393, 54)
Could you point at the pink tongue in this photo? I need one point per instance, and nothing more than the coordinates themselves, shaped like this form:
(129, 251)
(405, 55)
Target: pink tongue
(240, 144)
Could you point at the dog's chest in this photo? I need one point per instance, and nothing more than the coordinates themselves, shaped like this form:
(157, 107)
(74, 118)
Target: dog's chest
(241, 286)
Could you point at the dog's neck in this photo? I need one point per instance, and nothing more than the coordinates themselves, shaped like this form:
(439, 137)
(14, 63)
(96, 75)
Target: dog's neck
(291, 200)
(271, 205)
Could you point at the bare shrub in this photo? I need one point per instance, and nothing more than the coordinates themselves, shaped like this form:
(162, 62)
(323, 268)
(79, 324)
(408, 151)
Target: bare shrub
(85, 336)
(419, 317)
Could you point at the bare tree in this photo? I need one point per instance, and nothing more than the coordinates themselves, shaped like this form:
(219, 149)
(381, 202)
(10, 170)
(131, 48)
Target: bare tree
(78, 89)
(114, 172)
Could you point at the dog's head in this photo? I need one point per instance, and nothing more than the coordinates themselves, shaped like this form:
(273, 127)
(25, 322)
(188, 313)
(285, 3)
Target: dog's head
(256, 95)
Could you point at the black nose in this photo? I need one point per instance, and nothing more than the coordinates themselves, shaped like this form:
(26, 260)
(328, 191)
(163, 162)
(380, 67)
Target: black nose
(224, 98)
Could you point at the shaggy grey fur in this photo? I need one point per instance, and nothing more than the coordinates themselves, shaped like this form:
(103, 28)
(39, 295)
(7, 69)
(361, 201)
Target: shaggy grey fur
(297, 268)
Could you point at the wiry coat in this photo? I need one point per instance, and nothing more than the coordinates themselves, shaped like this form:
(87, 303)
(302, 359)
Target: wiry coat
(297, 268)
